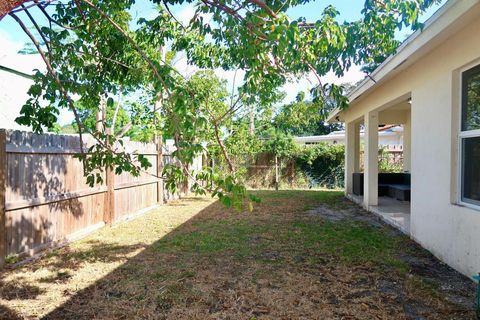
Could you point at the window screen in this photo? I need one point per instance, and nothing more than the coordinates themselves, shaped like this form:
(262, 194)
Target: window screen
(471, 100)
(471, 170)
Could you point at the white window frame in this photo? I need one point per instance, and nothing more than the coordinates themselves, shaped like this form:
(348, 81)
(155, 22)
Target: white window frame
(462, 135)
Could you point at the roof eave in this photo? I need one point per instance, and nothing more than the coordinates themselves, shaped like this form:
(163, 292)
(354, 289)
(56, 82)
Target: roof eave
(404, 52)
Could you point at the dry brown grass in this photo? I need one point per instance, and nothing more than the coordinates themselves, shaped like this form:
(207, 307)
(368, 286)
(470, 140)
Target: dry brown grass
(193, 259)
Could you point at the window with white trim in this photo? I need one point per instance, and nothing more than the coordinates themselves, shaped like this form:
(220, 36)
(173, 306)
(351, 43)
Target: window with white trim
(470, 137)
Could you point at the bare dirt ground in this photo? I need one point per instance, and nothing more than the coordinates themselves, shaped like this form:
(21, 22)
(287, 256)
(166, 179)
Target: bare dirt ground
(299, 255)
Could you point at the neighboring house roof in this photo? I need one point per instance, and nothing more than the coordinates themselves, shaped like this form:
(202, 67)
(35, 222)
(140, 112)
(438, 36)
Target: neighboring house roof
(445, 22)
(386, 131)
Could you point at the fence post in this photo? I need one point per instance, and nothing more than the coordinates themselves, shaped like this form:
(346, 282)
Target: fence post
(159, 144)
(276, 173)
(3, 185)
(109, 213)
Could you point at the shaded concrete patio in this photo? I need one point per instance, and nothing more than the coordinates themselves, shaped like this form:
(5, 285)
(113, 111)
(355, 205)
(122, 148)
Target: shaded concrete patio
(392, 211)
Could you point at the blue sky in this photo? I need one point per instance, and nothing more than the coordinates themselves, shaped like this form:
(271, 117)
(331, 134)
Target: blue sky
(12, 38)
(349, 10)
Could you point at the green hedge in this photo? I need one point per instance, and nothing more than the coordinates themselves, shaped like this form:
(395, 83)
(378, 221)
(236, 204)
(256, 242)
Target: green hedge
(323, 164)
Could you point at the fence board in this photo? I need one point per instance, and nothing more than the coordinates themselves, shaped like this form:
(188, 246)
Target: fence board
(3, 179)
(44, 198)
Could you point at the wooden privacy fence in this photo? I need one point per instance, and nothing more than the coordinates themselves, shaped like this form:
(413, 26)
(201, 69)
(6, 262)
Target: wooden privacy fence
(44, 198)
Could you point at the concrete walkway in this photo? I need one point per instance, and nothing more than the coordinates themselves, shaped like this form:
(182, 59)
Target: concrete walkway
(392, 211)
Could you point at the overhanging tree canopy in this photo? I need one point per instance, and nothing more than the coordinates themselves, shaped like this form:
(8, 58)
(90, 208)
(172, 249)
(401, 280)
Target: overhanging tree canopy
(94, 49)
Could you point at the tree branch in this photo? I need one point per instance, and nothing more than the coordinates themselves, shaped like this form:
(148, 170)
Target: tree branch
(131, 41)
(217, 137)
(265, 7)
(37, 28)
(116, 110)
(50, 19)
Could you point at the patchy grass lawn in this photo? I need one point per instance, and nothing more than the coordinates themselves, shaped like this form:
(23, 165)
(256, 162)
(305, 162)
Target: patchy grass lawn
(299, 255)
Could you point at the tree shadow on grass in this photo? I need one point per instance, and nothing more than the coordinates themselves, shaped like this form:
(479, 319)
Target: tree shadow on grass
(16, 290)
(19, 290)
(69, 259)
(226, 264)
(6, 313)
(213, 244)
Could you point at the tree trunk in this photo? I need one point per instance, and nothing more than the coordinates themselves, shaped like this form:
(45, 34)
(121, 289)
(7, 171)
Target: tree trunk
(159, 143)
(101, 114)
(276, 173)
(252, 119)
(159, 139)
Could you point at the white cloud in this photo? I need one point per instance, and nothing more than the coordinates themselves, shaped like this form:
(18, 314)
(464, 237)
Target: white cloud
(183, 67)
(353, 75)
(292, 88)
(231, 76)
(185, 14)
(8, 44)
(14, 88)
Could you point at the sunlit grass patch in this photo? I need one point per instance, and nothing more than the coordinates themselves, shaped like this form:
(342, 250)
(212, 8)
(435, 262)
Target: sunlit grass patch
(196, 259)
(351, 241)
(212, 237)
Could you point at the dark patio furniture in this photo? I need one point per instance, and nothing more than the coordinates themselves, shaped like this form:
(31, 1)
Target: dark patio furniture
(394, 185)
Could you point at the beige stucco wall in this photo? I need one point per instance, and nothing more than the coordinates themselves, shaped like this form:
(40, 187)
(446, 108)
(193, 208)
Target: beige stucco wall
(449, 231)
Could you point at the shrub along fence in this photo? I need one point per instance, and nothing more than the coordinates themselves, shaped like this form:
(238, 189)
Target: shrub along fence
(321, 165)
(44, 198)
